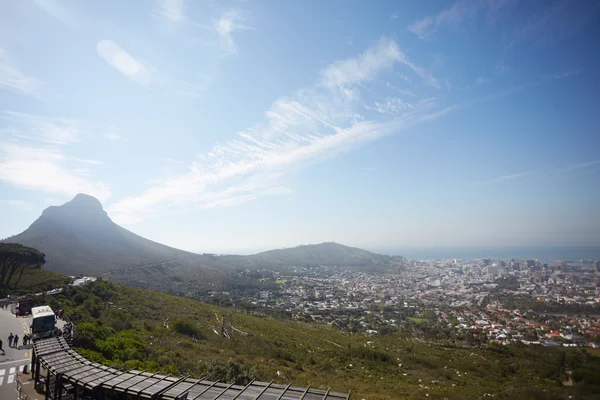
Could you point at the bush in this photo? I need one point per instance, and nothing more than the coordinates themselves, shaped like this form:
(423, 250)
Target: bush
(230, 372)
(93, 306)
(282, 354)
(79, 298)
(87, 333)
(188, 329)
(365, 353)
(587, 375)
(118, 320)
(122, 346)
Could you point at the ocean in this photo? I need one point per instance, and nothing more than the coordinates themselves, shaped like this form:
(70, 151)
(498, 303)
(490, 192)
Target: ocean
(542, 253)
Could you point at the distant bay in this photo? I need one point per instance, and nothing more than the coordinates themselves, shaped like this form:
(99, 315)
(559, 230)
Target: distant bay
(543, 253)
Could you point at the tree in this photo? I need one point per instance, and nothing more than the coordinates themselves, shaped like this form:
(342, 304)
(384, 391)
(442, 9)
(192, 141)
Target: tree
(16, 258)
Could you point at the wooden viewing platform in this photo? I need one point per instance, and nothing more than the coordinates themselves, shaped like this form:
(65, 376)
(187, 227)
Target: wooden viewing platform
(68, 375)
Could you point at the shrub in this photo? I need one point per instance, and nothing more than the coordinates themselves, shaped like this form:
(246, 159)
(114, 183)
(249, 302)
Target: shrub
(122, 346)
(80, 297)
(93, 306)
(118, 320)
(87, 333)
(188, 329)
(230, 372)
(282, 354)
(365, 353)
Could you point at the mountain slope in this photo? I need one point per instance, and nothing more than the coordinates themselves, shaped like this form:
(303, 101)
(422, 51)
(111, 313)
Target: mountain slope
(199, 337)
(328, 254)
(79, 238)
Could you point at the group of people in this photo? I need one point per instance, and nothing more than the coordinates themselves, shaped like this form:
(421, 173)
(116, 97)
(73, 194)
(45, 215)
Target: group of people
(13, 340)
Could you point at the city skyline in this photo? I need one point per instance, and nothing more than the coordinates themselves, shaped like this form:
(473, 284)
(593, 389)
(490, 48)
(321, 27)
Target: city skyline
(249, 126)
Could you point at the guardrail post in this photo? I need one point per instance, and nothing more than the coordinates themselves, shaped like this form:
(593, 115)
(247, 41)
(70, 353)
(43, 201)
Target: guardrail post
(57, 385)
(47, 384)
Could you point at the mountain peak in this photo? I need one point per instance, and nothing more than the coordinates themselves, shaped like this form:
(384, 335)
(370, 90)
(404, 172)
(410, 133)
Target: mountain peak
(79, 237)
(87, 201)
(81, 206)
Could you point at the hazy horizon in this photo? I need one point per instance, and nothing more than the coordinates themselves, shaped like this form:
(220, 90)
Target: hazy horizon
(235, 126)
(450, 251)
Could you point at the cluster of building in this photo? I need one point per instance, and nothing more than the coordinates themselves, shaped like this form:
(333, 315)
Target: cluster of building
(500, 324)
(486, 299)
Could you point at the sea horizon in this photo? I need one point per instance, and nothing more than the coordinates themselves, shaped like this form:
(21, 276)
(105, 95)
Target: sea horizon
(523, 252)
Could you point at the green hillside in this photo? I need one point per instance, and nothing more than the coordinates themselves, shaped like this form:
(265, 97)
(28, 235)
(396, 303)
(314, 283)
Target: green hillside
(175, 278)
(185, 280)
(36, 280)
(327, 254)
(133, 328)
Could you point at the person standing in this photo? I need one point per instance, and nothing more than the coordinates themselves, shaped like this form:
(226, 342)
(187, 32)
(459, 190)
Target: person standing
(10, 339)
(16, 342)
(3, 352)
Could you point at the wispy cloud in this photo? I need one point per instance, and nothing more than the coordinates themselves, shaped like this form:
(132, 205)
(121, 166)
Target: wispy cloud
(566, 74)
(423, 28)
(426, 27)
(391, 106)
(403, 91)
(453, 16)
(214, 29)
(172, 10)
(133, 69)
(46, 169)
(223, 176)
(228, 23)
(33, 156)
(114, 135)
(440, 112)
(12, 78)
(481, 80)
(505, 178)
(119, 59)
(44, 129)
(85, 161)
(63, 14)
(576, 167)
(383, 55)
(547, 172)
(313, 124)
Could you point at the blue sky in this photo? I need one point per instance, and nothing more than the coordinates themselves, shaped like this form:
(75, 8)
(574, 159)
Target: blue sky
(248, 125)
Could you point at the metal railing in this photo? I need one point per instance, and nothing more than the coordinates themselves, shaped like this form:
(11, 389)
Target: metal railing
(21, 395)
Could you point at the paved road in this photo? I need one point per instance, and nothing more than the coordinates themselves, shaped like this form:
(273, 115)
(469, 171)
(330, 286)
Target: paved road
(13, 359)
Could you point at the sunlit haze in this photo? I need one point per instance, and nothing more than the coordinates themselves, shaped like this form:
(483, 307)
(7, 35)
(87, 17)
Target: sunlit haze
(245, 126)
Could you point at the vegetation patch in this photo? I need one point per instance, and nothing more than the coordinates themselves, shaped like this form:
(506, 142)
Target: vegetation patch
(132, 328)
